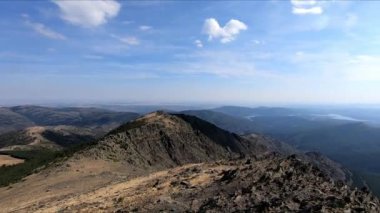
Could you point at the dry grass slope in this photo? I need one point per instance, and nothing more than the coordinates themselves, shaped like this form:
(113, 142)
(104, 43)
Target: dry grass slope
(267, 184)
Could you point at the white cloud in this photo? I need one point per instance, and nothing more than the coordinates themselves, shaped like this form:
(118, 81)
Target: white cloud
(220, 63)
(198, 43)
(256, 41)
(130, 40)
(303, 3)
(227, 33)
(43, 30)
(311, 10)
(145, 27)
(306, 7)
(88, 13)
(24, 15)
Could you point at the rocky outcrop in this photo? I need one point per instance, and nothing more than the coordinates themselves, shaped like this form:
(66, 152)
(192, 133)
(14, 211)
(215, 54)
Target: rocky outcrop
(270, 184)
(266, 184)
(331, 168)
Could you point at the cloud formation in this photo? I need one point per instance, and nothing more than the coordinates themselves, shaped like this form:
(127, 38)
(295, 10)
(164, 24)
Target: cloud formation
(198, 43)
(145, 27)
(225, 34)
(43, 30)
(127, 40)
(306, 7)
(88, 13)
(130, 40)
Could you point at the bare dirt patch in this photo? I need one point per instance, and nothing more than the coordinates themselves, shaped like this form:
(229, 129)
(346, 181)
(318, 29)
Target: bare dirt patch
(7, 160)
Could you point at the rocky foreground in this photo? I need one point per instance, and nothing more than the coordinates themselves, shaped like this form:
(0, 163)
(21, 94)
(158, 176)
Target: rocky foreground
(269, 184)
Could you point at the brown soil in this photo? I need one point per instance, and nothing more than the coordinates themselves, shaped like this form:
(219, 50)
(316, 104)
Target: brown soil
(6, 160)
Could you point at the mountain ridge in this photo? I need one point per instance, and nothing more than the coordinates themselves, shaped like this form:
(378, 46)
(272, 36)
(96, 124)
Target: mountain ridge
(159, 142)
(20, 117)
(54, 138)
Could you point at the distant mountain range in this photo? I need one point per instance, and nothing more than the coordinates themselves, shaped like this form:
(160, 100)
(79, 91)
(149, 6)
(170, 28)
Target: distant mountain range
(258, 111)
(19, 117)
(39, 137)
(180, 162)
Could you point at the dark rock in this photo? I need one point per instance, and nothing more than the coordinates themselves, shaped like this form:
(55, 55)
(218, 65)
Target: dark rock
(228, 175)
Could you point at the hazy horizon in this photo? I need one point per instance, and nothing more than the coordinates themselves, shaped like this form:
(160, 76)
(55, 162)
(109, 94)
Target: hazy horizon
(250, 53)
(185, 105)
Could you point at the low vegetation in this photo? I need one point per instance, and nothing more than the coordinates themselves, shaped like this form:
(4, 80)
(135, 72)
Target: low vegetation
(14, 138)
(127, 126)
(34, 160)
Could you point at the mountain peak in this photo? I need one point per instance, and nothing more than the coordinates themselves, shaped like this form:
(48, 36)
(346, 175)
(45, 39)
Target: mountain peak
(162, 140)
(162, 117)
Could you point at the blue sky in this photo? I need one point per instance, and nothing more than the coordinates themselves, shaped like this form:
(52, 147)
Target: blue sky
(223, 52)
